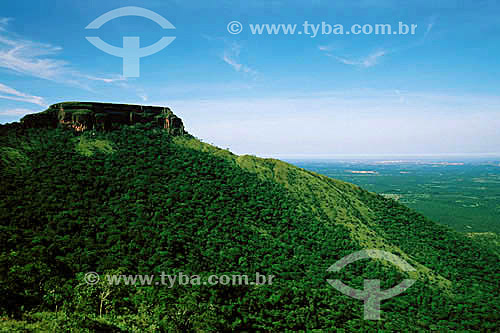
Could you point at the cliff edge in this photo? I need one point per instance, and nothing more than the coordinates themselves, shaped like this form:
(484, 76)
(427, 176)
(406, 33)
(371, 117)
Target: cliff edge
(82, 116)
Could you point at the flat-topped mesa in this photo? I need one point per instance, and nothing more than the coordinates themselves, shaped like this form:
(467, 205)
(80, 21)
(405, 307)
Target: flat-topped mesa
(82, 116)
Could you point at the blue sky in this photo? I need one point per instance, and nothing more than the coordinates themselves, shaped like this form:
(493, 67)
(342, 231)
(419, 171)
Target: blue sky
(435, 92)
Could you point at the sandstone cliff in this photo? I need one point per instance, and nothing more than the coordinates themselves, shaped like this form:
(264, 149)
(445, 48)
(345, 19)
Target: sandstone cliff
(82, 116)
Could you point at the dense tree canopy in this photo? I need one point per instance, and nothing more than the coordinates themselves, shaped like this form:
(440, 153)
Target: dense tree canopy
(132, 201)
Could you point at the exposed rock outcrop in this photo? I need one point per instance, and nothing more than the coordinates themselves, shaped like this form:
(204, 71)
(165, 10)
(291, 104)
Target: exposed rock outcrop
(82, 116)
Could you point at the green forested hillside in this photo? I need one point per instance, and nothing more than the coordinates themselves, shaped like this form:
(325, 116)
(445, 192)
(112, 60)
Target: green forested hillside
(136, 200)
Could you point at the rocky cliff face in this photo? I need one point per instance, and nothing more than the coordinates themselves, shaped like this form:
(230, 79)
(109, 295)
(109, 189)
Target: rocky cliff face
(82, 116)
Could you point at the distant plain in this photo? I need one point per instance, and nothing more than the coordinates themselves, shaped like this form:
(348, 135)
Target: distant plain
(461, 193)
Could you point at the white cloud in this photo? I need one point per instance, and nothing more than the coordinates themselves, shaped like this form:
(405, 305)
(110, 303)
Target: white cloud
(374, 58)
(358, 121)
(228, 60)
(15, 95)
(231, 57)
(365, 62)
(118, 78)
(31, 58)
(16, 112)
(40, 60)
(325, 48)
(4, 21)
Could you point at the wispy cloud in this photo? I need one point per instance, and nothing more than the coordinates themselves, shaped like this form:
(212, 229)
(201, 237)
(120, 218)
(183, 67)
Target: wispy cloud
(16, 112)
(118, 78)
(231, 57)
(4, 21)
(365, 62)
(374, 58)
(15, 95)
(370, 60)
(228, 60)
(31, 58)
(142, 94)
(326, 48)
(39, 60)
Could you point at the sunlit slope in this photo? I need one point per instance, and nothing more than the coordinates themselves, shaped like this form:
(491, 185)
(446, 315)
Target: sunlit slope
(373, 221)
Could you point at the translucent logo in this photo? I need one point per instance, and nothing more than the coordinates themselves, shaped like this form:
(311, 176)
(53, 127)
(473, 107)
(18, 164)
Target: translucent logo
(131, 52)
(371, 293)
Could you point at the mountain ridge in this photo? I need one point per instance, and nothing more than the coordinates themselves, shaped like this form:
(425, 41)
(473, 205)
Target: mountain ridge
(139, 198)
